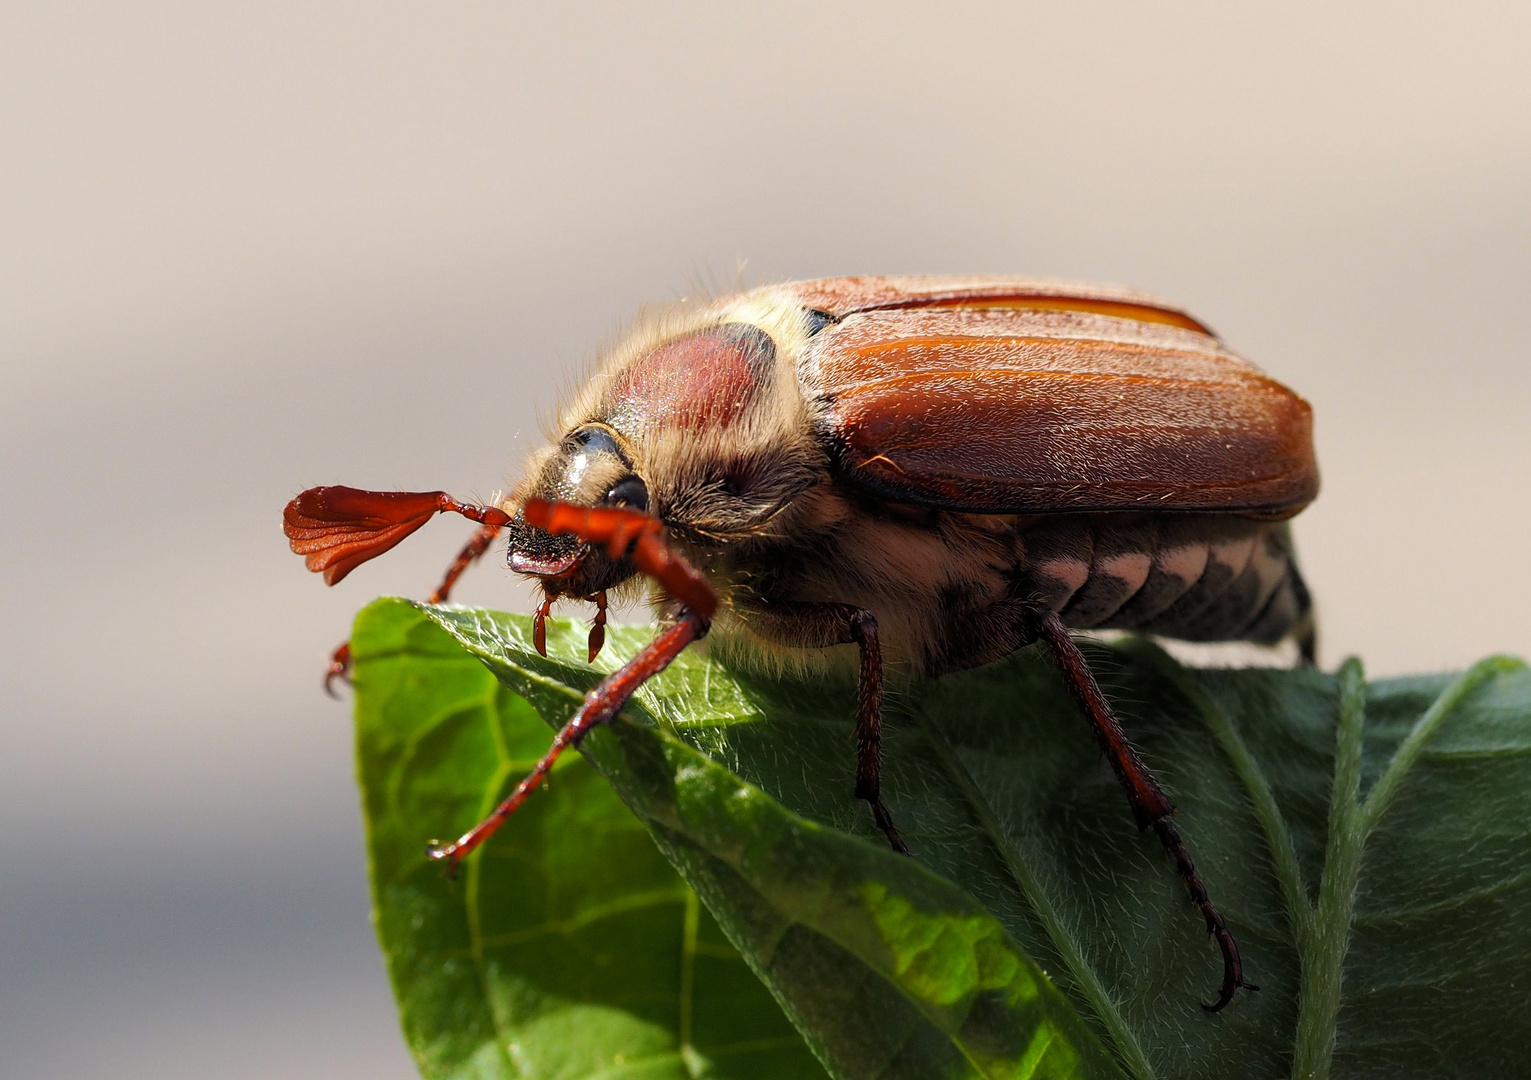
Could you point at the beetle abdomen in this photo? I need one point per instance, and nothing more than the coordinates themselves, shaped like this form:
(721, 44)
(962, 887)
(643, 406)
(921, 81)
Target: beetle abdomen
(1199, 577)
(955, 591)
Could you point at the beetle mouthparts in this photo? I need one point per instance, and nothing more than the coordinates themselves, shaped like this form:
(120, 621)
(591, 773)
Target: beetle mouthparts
(540, 554)
(543, 566)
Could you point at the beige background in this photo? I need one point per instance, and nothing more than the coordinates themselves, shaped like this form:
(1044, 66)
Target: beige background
(245, 248)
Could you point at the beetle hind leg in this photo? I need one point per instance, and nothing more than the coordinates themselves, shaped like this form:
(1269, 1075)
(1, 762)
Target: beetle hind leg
(1150, 806)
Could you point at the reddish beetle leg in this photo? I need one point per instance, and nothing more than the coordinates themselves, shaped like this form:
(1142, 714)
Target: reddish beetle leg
(599, 706)
(340, 659)
(1150, 806)
(472, 551)
(627, 533)
(336, 529)
(340, 668)
(624, 533)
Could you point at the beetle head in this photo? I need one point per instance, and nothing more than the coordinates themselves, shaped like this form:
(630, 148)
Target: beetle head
(700, 425)
(591, 466)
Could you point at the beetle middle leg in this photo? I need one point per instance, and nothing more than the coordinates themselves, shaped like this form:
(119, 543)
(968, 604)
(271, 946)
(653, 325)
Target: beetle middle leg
(863, 628)
(1150, 806)
(809, 626)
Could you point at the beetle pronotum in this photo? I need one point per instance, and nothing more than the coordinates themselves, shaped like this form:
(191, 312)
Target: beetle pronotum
(938, 471)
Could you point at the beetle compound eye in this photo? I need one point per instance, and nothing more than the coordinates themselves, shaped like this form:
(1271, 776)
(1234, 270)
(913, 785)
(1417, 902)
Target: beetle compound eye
(592, 459)
(630, 491)
(591, 441)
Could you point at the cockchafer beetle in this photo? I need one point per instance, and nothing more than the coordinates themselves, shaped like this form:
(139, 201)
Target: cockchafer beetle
(938, 471)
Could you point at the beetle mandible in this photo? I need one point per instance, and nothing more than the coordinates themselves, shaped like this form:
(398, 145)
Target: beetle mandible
(938, 471)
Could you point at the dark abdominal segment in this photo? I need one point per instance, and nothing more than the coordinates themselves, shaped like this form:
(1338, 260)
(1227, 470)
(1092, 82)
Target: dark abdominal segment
(1198, 577)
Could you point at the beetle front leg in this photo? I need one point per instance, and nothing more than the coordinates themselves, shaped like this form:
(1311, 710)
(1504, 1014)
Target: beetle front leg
(473, 550)
(600, 705)
(626, 533)
(1150, 806)
(336, 529)
(339, 668)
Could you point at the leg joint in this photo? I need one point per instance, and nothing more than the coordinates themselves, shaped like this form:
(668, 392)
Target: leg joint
(863, 626)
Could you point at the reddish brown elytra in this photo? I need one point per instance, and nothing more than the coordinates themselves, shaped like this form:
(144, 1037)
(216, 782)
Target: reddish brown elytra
(938, 471)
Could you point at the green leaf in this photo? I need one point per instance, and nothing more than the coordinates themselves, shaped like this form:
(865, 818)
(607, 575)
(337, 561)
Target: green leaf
(1367, 844)
(569, 948)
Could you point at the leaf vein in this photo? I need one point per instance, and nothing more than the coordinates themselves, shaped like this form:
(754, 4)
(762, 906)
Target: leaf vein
(1046, 911)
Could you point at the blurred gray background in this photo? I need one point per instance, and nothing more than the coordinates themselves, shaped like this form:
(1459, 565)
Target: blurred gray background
(249, 248)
